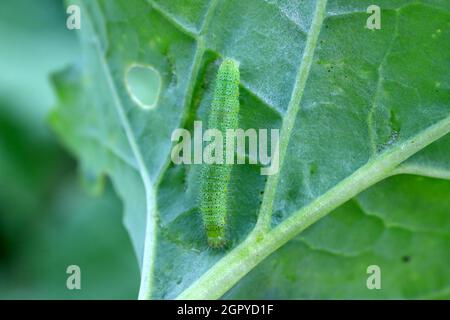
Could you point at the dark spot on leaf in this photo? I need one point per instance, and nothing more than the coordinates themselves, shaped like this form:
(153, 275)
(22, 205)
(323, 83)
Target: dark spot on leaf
(406, 259)
(394, 121)
(313, 168)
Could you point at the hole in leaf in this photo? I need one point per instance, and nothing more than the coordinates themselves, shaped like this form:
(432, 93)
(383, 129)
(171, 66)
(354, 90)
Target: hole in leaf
(144, 85)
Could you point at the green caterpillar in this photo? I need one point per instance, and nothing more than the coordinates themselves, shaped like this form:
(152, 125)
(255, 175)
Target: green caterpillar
(215, 177)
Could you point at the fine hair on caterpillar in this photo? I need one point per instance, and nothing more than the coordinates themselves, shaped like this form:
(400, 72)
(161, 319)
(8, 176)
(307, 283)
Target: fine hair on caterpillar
(221, 146)
(215, 178)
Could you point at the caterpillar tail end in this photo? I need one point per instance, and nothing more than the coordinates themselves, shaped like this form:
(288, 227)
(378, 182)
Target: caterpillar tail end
(217, 242)
(216, 234)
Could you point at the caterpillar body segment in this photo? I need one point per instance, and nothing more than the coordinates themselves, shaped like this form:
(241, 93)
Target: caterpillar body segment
(215, 177)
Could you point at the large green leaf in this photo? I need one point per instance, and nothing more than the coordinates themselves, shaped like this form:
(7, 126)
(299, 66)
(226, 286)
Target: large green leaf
(352, 104)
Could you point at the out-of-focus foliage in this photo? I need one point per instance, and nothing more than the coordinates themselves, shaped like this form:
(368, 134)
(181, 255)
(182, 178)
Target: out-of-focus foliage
(47, 221)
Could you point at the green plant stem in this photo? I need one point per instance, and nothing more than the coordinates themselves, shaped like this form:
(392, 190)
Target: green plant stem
(229, 270)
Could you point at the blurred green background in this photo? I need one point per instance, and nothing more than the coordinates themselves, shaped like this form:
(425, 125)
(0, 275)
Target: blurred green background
(48, 221)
